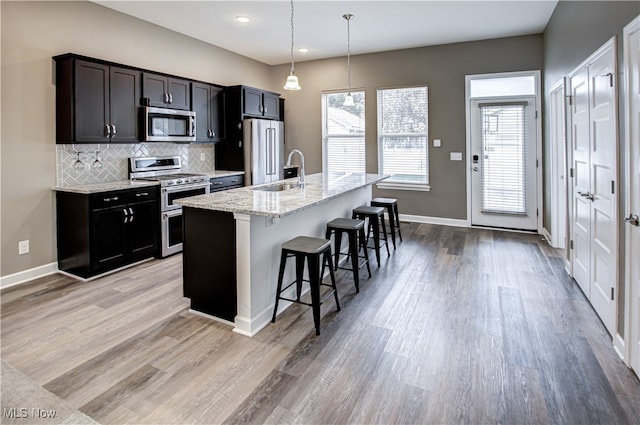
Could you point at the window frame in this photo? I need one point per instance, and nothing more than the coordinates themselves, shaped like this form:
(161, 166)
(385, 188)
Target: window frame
(401, 184)
(326, 135)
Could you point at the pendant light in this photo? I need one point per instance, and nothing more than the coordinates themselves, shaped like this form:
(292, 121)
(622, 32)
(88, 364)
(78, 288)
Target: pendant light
(348, 100)
(292, 79)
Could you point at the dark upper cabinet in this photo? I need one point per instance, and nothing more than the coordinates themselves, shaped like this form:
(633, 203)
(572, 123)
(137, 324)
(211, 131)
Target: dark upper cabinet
(95, 102)
(207, 102)
(260, 103)
(243, 102)
(166, 92)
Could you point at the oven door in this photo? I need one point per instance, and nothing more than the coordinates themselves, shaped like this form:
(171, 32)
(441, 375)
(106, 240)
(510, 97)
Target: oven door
(171, 232)
(171, 194)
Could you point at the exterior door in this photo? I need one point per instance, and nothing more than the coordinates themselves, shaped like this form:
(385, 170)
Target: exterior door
(503, 163)
(632, 227)
(594, 144)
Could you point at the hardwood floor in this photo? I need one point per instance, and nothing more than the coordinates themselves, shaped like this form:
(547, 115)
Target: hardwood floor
(457, 326)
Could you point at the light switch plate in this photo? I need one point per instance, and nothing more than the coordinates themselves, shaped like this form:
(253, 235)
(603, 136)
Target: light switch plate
(437, 143)
(456, 156)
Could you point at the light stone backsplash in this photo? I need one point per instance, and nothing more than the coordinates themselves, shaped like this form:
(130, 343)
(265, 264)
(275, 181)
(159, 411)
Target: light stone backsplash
(115, 157)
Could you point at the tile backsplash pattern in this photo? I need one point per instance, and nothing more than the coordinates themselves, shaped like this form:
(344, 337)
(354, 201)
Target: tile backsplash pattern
(115, 157)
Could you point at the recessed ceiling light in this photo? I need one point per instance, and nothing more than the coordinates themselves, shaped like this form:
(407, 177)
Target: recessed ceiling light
(243, 19)
(303, 50)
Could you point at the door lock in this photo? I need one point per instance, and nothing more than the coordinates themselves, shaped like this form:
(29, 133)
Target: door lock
(633, 219)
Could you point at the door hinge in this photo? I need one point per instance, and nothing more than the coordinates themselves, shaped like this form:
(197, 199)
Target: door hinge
(571, 244)
(571, 172)
(537, 163)
(536, 116)
(613, 187)
(537, 212)
(612, 294)
(570, 98)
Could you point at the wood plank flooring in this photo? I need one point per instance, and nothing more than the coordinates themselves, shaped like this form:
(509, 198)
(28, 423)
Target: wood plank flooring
(457, 326)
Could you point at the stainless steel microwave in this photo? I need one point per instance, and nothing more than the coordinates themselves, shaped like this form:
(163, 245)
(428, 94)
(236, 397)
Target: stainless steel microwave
(168, 125)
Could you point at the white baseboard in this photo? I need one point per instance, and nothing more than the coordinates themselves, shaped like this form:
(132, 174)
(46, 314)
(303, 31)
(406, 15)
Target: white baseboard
(434, 220)
(26, 275)
(545, 233)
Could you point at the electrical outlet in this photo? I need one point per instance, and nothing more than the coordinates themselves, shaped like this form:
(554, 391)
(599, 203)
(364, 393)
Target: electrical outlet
(437, 143)
(202, 157)
(23, 247)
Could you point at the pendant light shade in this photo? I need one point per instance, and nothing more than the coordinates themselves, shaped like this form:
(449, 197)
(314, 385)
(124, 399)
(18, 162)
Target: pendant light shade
(292, 79)
(348, 100)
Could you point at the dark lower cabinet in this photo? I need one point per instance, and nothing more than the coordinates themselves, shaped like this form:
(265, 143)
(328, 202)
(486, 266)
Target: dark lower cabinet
(101, 232)
(209, 262)
(225, 183)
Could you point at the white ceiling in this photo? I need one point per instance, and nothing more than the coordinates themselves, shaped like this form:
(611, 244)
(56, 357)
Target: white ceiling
(378, 25)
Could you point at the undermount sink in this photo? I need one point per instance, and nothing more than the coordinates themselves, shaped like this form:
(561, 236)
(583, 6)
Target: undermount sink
(280, 187)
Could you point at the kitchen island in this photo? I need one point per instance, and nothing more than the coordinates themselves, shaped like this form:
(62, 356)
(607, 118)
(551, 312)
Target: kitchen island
(232, 240)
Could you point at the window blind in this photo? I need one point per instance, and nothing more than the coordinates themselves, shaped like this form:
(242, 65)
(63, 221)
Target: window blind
(503, 159)
(343, 133)
(403, 134)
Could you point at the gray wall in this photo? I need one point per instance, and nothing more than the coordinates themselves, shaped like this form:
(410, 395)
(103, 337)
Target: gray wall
(574, 32)
(33, 32)
(443, 69)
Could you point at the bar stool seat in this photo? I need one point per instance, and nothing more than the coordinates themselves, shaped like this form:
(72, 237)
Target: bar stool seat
(310, 249)
(354, 229)
(391, 205)
(376, 217)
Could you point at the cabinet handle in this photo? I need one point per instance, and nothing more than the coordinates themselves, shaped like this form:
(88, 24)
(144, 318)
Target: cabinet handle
(131, 216)
(107, 131)
(261, 108)
(142, 194)
(165, 97)
(217, 183)
(170, 98)
(235, 181)
(115, 198)
(126, 215)
(113, 130)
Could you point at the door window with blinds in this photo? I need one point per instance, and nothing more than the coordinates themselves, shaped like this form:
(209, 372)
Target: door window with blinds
(503, 158)
(343, 133)
(403, 137)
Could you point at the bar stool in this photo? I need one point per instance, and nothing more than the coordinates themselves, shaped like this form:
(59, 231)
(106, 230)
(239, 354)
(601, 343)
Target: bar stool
(376, 217)
(355, 230)
(304, 247)
(391, 205)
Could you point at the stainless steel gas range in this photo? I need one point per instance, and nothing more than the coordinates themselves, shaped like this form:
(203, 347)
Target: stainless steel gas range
(174, 184)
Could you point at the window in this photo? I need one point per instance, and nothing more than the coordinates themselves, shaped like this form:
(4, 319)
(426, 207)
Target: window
(403, 139)
(343, 141)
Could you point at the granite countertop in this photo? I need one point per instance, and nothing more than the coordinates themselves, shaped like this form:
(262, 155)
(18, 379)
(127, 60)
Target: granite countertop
(105, 187)
(250, 200)
(130, 184)
(223, 173)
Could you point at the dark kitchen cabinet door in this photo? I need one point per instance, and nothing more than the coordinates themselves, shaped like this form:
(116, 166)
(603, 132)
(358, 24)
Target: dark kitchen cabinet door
(252, 101)
(108, 238)
(271, 105)
(208, 104)
(143, 229)
(166, 92)
(91, 102)
(124, 104)
(96, 102)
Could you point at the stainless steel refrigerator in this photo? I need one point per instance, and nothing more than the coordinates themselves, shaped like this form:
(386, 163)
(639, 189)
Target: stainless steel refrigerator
(263, 151)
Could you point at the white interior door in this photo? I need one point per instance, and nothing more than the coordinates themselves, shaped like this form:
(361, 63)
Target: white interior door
(594, 162)
(632, 227)
(503, 163)
(581, 216)
(603, 187)
(558, 166)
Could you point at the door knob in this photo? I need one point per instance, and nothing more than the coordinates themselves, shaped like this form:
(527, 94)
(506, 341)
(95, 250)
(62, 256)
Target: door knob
(633, 219)
(475, 168)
